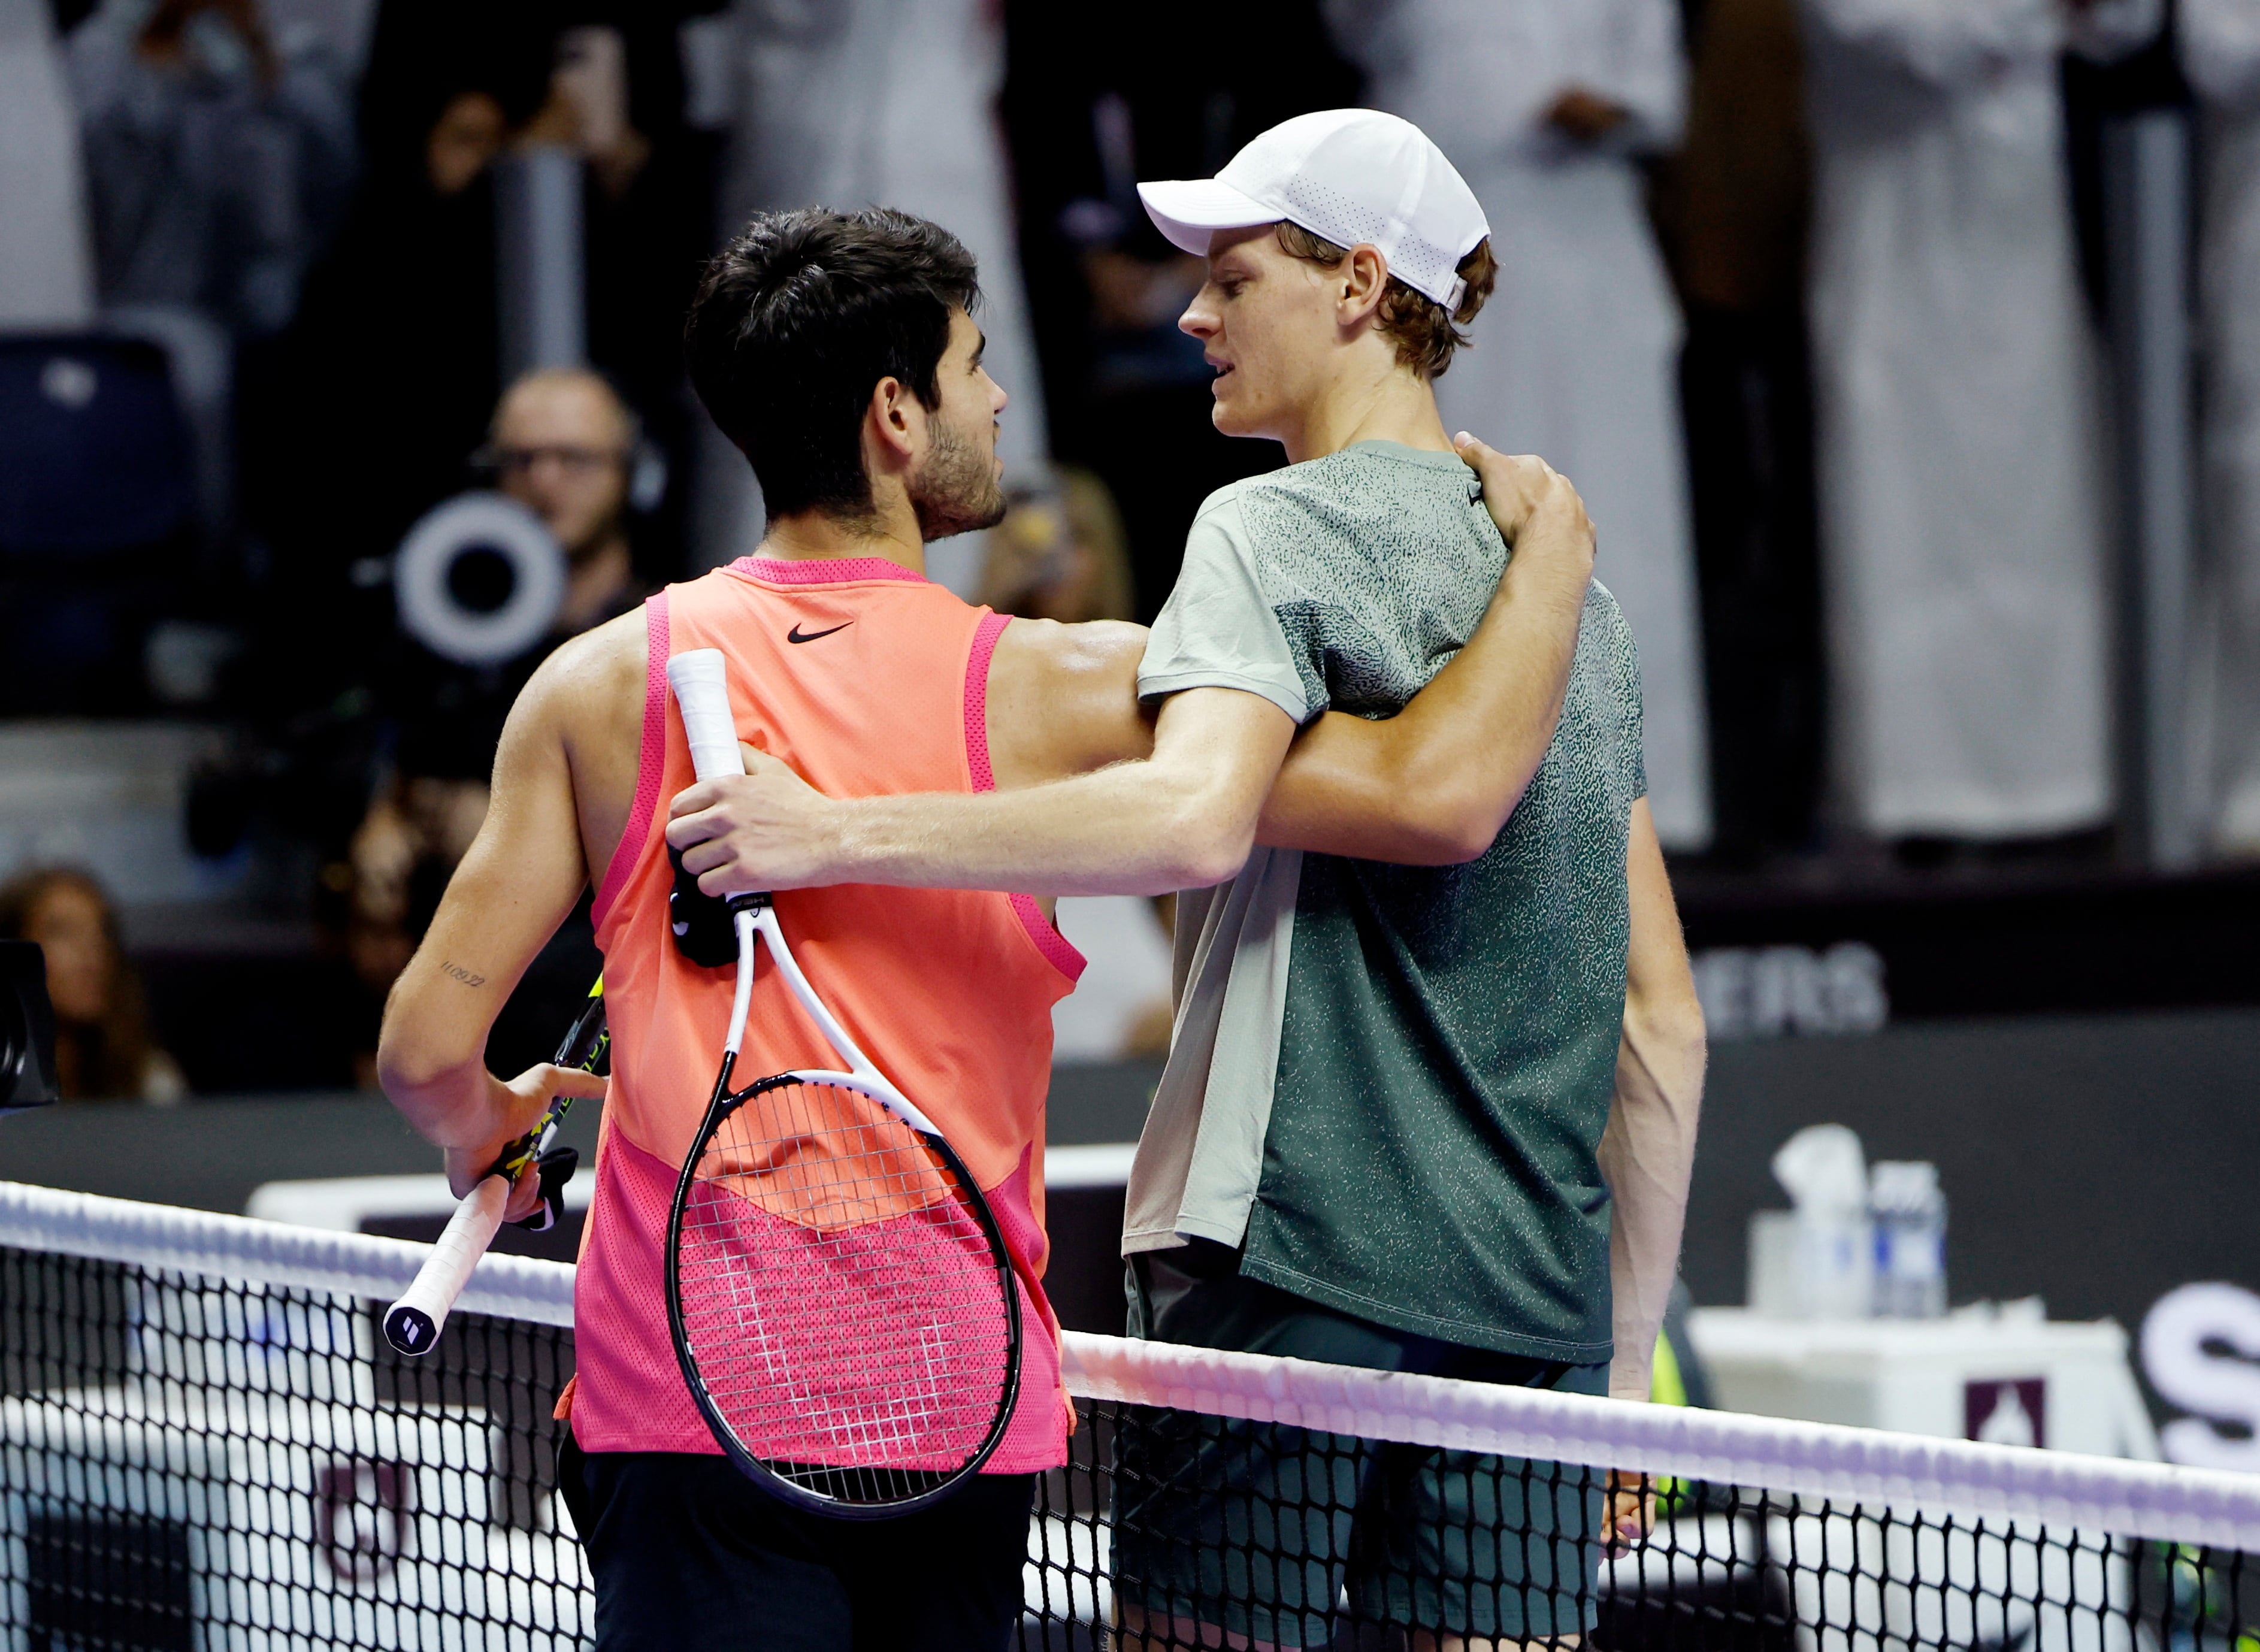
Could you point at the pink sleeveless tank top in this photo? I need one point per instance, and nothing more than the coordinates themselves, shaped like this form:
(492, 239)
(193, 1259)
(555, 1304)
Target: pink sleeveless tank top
(869, 680)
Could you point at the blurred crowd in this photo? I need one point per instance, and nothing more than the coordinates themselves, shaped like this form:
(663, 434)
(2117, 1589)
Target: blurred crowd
(1800, 293)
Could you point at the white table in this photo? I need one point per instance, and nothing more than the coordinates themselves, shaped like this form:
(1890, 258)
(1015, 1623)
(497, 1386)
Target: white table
(1875, 1579)
(2012, 1378)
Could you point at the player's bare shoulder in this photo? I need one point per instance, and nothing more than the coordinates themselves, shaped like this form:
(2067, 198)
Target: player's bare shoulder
(591, 686)
(1064, 700)
(582, 711)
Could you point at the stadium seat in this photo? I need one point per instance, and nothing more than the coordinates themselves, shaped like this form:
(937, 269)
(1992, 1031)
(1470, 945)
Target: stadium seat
(97, 506)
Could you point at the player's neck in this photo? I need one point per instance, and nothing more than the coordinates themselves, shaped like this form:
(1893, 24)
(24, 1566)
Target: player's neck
(1393, 405)
(891, 532)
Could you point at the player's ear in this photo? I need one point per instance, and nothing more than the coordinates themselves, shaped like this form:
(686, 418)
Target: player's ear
(896, 418)
(894, 431)
(1364, 278)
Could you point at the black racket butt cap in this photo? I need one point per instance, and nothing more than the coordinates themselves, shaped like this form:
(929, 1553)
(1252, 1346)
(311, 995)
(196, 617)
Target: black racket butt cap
(410, 1331)
(703, 932)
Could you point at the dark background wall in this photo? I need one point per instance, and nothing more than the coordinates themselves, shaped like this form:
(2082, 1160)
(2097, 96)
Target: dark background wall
(1998, 941)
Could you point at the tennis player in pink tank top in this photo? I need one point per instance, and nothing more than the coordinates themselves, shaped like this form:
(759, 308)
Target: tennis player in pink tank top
(840, 354)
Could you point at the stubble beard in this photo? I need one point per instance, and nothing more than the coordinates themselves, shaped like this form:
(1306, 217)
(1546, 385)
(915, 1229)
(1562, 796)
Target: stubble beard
(956, 490)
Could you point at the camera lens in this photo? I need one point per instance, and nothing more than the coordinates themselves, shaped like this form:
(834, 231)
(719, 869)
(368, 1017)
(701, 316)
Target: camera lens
(481, 578)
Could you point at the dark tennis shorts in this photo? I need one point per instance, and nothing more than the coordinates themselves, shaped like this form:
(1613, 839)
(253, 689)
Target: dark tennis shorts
(1259, 1529)
(686, 1552)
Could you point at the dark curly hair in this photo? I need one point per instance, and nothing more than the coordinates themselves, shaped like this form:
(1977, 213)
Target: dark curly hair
(798, 318)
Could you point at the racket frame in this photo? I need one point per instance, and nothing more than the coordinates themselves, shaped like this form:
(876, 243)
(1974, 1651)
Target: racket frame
(755, 915)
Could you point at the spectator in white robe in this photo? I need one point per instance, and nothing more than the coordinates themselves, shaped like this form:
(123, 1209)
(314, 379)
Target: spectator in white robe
(1545, 107)
(882, 103)
(1962, 511)
(2220, 56)
(47, 275)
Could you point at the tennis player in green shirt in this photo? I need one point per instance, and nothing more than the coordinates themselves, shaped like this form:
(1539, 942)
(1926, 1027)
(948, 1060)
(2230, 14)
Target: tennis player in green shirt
(1430, 1104)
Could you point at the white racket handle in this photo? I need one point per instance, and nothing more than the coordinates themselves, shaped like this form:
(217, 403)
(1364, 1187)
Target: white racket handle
(411, 1325)
(702, 692)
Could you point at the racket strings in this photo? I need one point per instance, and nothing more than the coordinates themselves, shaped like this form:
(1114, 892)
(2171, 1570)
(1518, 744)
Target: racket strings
(845, 1306)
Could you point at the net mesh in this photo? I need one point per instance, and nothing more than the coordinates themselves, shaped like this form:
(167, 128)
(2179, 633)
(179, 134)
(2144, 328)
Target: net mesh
(225, 1454)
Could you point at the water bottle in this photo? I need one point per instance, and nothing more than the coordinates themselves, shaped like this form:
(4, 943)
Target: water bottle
(1908, 1214)
(1835, 1248)
(1826, 1177)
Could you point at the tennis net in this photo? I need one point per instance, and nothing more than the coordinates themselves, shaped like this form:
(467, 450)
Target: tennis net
(205, 1443)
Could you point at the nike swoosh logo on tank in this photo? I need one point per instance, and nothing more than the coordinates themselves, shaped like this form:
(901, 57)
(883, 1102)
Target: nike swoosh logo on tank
(798, 635)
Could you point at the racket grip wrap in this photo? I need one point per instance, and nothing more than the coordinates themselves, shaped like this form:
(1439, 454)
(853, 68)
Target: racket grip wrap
(702, 693)
(412, 1324)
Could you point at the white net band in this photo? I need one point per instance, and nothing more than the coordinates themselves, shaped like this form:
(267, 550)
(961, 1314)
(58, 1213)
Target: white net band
(267, 1253)
(1865, 1466)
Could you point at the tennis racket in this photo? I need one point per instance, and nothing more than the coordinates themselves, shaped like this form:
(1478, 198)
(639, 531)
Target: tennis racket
(411, 1325)
(838, 1289)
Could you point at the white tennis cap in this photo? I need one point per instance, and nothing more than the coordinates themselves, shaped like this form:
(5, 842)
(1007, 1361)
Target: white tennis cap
(1346, 175)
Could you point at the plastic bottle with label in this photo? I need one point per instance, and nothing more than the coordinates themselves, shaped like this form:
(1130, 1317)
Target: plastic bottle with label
(1908, 1216)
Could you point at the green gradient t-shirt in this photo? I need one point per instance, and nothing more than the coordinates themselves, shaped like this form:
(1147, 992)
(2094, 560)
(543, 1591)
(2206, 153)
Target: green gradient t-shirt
(1387, 1085)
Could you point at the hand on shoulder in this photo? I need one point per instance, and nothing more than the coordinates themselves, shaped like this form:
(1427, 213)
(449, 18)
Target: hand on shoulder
(1523, 492)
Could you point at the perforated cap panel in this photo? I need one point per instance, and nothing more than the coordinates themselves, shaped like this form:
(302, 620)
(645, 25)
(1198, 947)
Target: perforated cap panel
(1347, 175)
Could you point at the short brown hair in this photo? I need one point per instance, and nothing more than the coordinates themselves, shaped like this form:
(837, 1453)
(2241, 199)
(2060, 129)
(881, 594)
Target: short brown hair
(1423, 330)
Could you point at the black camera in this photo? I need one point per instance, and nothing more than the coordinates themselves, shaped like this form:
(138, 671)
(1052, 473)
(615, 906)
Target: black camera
(27, 1029)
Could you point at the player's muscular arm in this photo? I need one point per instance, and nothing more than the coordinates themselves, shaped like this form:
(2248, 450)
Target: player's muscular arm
(1433, 785)
(1648, 1148)
(1428, 787)
(1182, 817)
(523, 874)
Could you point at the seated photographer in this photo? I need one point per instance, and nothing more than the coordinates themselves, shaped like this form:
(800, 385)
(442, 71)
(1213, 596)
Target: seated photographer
(563, 445)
